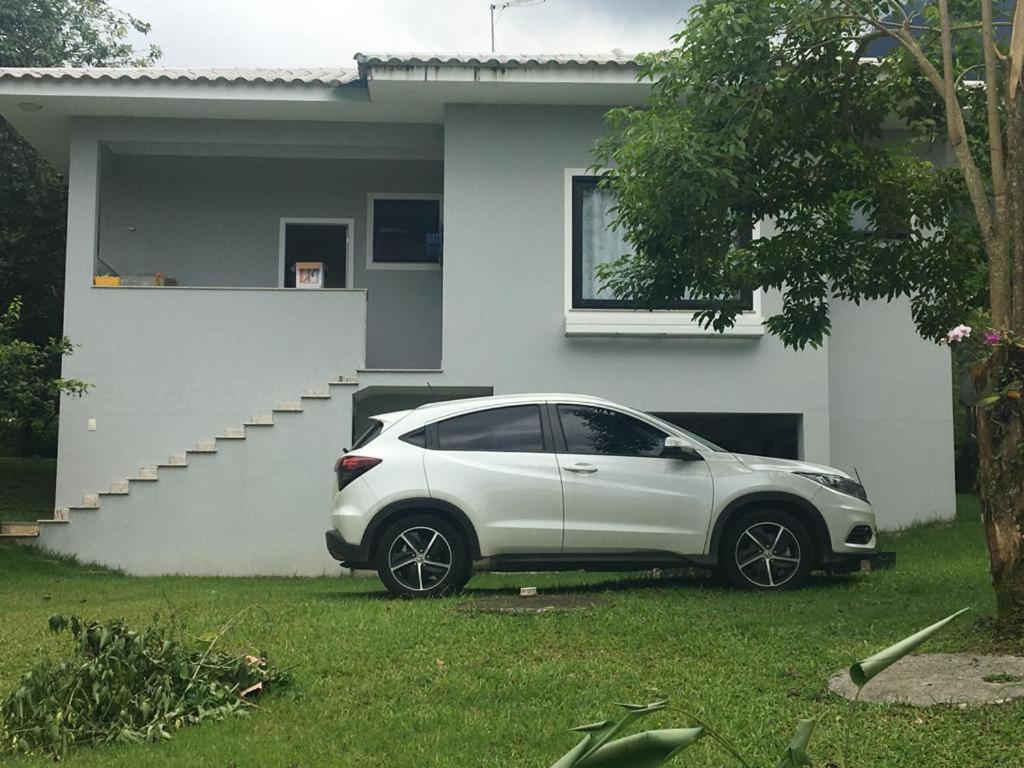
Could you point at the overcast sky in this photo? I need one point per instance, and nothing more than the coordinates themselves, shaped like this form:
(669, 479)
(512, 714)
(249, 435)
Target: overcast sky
(275, 33)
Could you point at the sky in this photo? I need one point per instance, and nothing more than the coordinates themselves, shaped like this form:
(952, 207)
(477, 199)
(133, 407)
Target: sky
(327, 33)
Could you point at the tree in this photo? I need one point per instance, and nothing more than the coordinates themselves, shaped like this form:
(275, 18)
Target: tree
(33, 197)
(48, 33)
(29, 396)
(774, 111)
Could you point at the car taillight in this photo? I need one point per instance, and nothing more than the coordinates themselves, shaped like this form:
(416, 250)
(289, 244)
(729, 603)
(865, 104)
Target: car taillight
(348, 468)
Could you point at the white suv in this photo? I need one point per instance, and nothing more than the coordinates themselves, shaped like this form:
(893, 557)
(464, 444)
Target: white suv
(566, 482)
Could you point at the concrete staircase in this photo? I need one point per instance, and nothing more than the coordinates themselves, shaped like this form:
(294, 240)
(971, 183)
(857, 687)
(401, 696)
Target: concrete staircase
(176, 465)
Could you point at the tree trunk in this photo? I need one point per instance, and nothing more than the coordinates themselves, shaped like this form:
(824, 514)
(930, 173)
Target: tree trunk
(1001, 485)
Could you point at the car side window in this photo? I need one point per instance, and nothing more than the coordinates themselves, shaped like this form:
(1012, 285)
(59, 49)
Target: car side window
(513, 429)
(604, 432)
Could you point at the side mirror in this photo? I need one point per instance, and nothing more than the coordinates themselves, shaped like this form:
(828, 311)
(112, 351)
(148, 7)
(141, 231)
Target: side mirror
(677, 448)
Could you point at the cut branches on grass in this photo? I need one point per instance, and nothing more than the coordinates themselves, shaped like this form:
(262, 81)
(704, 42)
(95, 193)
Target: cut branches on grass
(119, 685)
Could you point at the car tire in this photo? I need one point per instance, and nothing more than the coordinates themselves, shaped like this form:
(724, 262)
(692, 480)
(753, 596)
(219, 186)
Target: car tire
(423, 555)
(767, 550)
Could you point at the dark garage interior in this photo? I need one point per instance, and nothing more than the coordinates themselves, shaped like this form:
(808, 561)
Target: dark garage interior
(761, 434)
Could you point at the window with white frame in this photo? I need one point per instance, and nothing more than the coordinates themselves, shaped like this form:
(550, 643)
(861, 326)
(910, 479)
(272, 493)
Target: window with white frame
(595, 242)
(405, 231)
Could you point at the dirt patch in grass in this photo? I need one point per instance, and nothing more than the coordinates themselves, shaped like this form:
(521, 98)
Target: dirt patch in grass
(513, 604)
(941, 678)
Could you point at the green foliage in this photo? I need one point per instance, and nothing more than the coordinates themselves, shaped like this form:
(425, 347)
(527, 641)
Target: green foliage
(70, 33)
(33, 197)
(31, 375)
(124, 686)
(765, 112)
(649, 749)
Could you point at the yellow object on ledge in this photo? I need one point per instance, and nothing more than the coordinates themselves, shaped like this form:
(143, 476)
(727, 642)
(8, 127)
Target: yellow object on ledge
(106, 280)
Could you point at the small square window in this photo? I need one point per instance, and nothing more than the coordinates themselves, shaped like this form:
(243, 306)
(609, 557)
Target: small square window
(406, 231)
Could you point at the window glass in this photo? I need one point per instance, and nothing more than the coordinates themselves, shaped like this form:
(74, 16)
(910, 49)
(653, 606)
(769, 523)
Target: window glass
(513, 429)
(601, 431)
(418, 437)
(407, 231)
(369, 435)
(594, 243)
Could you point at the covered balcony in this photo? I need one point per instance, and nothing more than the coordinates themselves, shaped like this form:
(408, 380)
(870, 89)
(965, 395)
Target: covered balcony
(305, 208)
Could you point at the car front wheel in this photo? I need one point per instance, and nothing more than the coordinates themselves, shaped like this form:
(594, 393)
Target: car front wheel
(767, 550)
(422, 555)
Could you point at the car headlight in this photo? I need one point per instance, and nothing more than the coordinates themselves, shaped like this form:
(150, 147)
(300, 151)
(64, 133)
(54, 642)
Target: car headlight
(837, 483)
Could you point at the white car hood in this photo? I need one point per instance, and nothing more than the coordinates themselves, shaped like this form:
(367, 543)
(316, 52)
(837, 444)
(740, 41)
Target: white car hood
(762, 463)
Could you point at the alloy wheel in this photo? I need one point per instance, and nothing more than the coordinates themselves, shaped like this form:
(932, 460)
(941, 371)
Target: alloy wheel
(768, 554)
(420, 558)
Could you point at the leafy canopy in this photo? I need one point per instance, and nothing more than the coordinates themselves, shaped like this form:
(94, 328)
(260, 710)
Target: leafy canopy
(33, 197)
(31, 389)
(768, 113)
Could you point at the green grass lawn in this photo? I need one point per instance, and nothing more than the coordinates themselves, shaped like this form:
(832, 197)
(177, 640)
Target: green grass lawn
(26, 488)
(380, 682)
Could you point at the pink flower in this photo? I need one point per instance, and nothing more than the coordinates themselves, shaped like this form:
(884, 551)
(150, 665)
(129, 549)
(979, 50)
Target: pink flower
(992, 337)
(959, 333)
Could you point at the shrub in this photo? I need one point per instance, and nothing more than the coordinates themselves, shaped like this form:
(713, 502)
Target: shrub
(119, 685)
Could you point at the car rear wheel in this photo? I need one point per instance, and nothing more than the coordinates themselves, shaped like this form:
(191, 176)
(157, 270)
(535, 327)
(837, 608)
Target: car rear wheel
(423, 555)
(767, 550)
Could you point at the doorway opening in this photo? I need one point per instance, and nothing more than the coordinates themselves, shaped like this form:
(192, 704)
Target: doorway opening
(327, 241)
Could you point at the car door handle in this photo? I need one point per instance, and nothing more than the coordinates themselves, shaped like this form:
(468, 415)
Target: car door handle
(583, 469)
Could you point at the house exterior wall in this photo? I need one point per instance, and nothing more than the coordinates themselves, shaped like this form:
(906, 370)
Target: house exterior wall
(504, 218)
(891, 412)
(214, 221)
(173, 366)
(169, 367)
(504, 291)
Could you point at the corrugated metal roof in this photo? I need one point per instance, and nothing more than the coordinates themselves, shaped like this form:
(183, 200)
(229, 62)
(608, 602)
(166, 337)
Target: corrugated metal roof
(495, 60)
(309, 76)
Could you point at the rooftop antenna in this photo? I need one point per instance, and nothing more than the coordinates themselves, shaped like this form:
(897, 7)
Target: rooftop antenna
(501, 7)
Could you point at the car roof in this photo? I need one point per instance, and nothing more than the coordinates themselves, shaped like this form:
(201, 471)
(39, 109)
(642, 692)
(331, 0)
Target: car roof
(430, 412)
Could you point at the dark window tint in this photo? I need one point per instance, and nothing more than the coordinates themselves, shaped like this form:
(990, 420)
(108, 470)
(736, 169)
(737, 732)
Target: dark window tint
(502, 429)
(407, 231)
(419, 437)
(369, 435)
(610, 433)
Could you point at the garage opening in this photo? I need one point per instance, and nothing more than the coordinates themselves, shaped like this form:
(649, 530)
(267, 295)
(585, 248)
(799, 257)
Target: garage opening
(373, 400)
(760, 434)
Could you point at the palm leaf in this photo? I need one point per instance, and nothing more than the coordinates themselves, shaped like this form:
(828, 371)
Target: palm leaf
(863, 671)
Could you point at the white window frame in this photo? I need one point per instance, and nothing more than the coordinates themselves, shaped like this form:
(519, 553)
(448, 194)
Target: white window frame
(406, 265)
(642, 322)
(349, 225)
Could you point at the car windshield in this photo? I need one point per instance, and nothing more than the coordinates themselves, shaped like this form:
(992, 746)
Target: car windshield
(703, 442)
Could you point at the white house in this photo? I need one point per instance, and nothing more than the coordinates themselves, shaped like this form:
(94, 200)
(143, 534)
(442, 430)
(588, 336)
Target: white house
(449, 200)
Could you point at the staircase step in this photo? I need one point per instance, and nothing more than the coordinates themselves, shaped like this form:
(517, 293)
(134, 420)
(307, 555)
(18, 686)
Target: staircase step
(343, 381)
(61, 514)
(147, 474)
(261, 420)
(90, 501)
(313, 394)
(288, 407)
(205, 446)
(117, 488)
(177, 460)
(54, 521)
(18, 530)
(232, 433)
